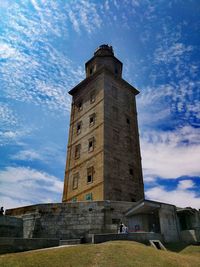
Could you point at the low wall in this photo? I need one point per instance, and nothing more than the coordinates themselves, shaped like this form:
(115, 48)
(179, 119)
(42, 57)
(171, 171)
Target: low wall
(11, 226)
(8, 245)
(138, 237)
(71, 220)
(190, 236)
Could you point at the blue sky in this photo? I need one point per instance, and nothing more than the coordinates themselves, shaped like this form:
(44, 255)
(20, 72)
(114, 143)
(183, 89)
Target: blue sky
(43, 48)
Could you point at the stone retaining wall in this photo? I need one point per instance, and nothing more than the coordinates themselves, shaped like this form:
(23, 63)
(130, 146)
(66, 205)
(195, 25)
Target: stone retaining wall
(71, 220)
(8, 245)
(139, 237)
(191, 236)
(11, 226)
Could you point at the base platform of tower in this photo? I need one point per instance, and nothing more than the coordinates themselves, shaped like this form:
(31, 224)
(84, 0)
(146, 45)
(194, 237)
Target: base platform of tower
(101, 220)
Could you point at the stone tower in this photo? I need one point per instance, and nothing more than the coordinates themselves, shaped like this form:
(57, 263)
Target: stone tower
(103, 156)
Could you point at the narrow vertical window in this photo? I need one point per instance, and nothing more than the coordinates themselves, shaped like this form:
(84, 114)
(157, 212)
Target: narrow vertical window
(90, 174)
(92, 97)
(78, 127)
(91, 70)
(75, 181)
(74, 199)
(91, 144)
(92, 120)
(128, 121)
(77, 151)
(88, 197)
(116, 70)
(80, 105)
(130, 169)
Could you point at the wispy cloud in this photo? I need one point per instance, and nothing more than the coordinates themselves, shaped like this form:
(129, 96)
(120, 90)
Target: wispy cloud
(34, 70)
(182, 196)
(27, 155)
(28, 186)
(171, 154)
(7, 116)
(84, 15)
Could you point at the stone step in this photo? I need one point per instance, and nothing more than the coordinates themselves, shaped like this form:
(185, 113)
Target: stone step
(70, 242)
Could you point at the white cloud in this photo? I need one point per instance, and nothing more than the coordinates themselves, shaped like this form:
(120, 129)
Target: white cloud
(171, 154)
(185, 184)
(7, 116)
(84, 14)
(7, 51)
(43, 75)
(180, 197)
(28, 155)
(29, 186)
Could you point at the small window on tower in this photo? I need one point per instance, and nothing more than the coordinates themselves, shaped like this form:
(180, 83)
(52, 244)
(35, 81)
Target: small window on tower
(77, 151)
(128, 121)
(88, 197)
(116, 71)
(91, 144)
(75, 181)
(90, 174)
(131, 171)
(80, 105)
(92, 120)
(92, 97)
(91, 70)
(74, 199)
(78, 127)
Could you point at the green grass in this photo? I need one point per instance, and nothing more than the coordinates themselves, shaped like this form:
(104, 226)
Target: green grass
(109, 254)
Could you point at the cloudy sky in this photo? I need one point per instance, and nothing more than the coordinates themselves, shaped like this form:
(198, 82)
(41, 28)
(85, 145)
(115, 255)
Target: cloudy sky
(43, 47)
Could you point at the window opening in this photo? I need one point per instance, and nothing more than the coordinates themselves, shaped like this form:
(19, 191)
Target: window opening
(75, 181)
(92, 120)
(80, 106)
(88, 197)
(92, 97)
(77, 151)
(74, 199)
(91, 144)
(78, 127)
(90, 174)
(131, 171)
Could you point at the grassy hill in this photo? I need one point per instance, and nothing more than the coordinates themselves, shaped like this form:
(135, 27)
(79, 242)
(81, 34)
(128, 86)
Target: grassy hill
(109, 254)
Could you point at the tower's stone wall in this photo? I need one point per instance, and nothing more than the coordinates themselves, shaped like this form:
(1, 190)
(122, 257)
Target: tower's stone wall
(89, 131)
(110, 169)
(122, 159)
